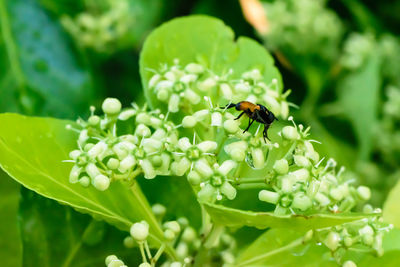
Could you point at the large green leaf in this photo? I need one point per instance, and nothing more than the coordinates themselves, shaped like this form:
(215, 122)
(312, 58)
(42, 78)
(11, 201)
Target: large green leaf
(32, 153)
(206, 40)
(238, 218)
(10, 241)
(84, 242)
(43, 74)
(359, 98)
(391, 211)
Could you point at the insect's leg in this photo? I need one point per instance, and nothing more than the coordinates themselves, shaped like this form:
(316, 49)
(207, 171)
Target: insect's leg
(231, 105)
(265, 132)
(240, 115)
(248, 126)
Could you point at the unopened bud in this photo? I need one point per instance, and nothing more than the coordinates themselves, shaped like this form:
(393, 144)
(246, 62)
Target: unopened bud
(111, 106)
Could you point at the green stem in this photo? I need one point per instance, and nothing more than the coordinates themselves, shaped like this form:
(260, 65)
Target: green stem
(213, 237)
(251, 186)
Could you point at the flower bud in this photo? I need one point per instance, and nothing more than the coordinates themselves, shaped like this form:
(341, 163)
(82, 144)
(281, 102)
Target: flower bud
(74, 174)
(145, 264)
(110, 258)
(281, 166)
(308, 236)
(173, 226)
(206, 85)
(368, 208)
(154, 80)
(148, 169)
(194, 68)
(207, 146)
(332, 241)
(151, 145)
(301, 202)
(94, 120)
(84, 181)
(258, 157)
(201, 114)
(228, 190)
(112, 163)
(290, 133)
(243, 88)
(272, 104)
(142, 130)
(206, 193)
(176, 264)
(129, 242)
(189, 122)
(92, 170)
(139, 231)
(349, 264)
(159, 210)
(173, 104)
(192, 96)
(127, 163)
(188, 78)
(184, 144)
(364, 192)
(287, 184)
(226, 91)
(182, 250)
(170, 75)
(231, 126)
(101, 182)
(203, 168)
(268, 196)
(143, 118)
(111, 106)
(97, 149)
(74, 154)
(162, 95)
(301, 175)
(236, 150)
(189, 235)
(216, 119)
(194, 178)
(226, 167)
(169, 235)
(301, 161)
(284, 109)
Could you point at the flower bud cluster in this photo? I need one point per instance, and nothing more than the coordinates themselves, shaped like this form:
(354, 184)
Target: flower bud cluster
(357, 49)
(300, 183)
(366, 234)
(104, 155)
(101, 30)
(183, 88)
(303, 27)
(113, 261)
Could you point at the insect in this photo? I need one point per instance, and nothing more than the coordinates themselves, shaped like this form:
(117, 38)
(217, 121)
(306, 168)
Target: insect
(255, 112)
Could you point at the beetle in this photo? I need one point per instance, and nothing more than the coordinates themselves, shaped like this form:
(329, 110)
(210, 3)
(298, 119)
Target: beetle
(255, 112)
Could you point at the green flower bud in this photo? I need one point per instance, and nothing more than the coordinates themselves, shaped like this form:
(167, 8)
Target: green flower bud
(231, 126)
(181, 167)
(301, 175)
(284, 111)
(127, 163)
(112, 164)
(322, 199)
(268, 196)
(216, 119)
(145, 264)
(173, 226)
(349, 264)
(281, 166)
(378, 244)
(194, 178)
(301, 161)
(182, 250)
(74, 174)
(189, 235)
(194, 68)
(258, 157)
(228, 190)
(158, 210)
(287, 184)
(192, 97)
(206, 85)
(173, 104)
(176, 264)
(101, 182)
(148, 169)
(348, 241)
(111, 258)
(184, 144)
(162, 95)
(207, 146)
(143, 118)
(97, 149)
(226, 167)
(94, 120)
(189, 122)
(170, 75)
(290, 133)
(364, 192)
(111, 106)
(272, 104)
(332, 241)
(226, 91)
(140, 231)
(116, 263)
(156, 161)
(84, 181)
(203, 168)
(206, 192)
(154, 80)
(368, 239)
(188, 78)
(142, 130)
(169, 235)
(301, 202)
(368, 208)
(74, 154)
(129, 242)
(201, 114)
(236, 150)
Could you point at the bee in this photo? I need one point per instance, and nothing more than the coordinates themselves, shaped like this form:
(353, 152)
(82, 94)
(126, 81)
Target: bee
(255, 112)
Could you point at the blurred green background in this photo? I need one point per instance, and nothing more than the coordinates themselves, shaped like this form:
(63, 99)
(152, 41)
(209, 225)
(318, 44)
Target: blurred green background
(341, 60)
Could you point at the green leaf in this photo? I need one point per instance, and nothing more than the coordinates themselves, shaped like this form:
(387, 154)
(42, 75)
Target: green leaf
(84, 242)
(10, 241)
(238, 218)
(32, 153)
(206, 40)
(43, 74)
(391, 211)
(359, 97)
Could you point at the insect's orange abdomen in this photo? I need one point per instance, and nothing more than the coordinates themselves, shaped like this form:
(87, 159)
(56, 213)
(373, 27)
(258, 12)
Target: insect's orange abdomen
(245, 105)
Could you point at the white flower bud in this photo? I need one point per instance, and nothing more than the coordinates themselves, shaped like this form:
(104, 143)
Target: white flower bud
(145, 264)
(216, 119)
(148, 169)
(111, 106)
(201, 114)
(290, 133)
(226, 167)
(97, 149)
(94, 120)
(127, 163)
(336, 193)
(182, 167)
(182, 250)
(301, 175)
(236, 150)
(163, 95)
(112, 163)
(368, 208)
(332, 241)
(349, 264)
(301, 161)
(83, 137)
(101, 182)
(110, 258)
(366, 230)
(127, 114)
(301, 202)
(322, 199)
(206, 85)
(189, 122)
(281, 166)
(268, 196)
(231, 126)
(164, 85)
(206, 193)
(74, 174)
(364, 192)
(159, 210)
(243, 88)
(258, 157)
(226, 91)
(284, 109)
(155, 122)
(194, 68)
(173, 104)
(129, 242)
(142, 130)
(140, 231)
(272, 104)
(188, 78)
(169, 235)
(92, 170)
(170, 75)
(154, 80)
(143, 118)
(74, 154)
(228, 190)
(176, 264)
(184, 144)
(207, 146)
(159, 134)
(287, 184)
(368, 239)
(192, 96)
(194, 178)
(173, 226)
(203, 168)
(84, 181)
(151, 145)
(189, 235)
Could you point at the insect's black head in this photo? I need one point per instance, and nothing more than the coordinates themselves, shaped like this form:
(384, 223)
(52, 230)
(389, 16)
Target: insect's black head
(267, 116)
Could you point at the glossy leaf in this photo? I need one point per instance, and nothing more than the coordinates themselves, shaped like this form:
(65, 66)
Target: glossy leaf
(10, 241)
(32, 153)
(43, 75)
(359, 97)
(206, 40)
(238, 218)
(63, 237)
